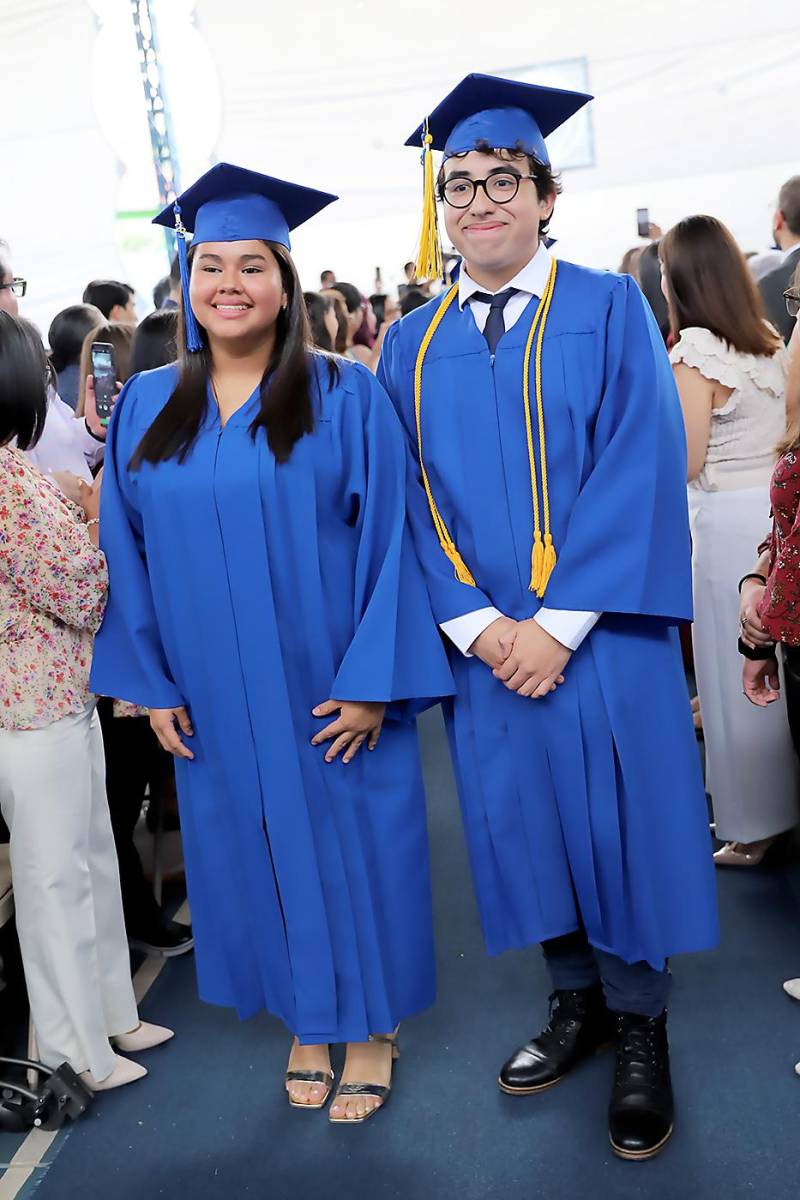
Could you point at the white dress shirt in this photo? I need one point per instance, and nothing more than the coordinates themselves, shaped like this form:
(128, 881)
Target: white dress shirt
(65, 444)
(566, 626)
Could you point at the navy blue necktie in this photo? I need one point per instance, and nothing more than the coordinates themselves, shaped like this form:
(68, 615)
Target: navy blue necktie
(495, 326)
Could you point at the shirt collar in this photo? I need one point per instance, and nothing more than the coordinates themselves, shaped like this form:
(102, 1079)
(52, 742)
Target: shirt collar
(531, 279)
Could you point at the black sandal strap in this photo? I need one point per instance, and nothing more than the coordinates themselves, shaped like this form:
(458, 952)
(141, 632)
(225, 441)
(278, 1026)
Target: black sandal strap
(310, 1077)
(363, 1089)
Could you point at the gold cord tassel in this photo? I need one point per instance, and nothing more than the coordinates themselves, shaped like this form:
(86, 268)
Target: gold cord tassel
(429, 255)
(548, 564)
(537, 561)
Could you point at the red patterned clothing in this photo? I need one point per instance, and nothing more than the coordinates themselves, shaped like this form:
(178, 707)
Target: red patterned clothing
(53, 584)
(779, 609)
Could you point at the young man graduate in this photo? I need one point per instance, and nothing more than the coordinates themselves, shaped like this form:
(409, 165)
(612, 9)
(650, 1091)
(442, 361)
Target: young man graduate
(547, 498)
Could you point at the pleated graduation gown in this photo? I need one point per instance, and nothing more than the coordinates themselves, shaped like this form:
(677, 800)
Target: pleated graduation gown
(588, 804)
(251, 592)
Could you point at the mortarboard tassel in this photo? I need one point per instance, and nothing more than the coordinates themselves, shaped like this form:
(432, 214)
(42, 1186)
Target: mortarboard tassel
(429, 256)
(194, 342)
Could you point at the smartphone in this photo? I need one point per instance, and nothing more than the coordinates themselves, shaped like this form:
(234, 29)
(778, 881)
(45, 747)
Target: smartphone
(643, 222)
(104, 372)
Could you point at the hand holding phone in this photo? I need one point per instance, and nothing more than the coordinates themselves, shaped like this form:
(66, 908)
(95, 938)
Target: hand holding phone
(104, 378)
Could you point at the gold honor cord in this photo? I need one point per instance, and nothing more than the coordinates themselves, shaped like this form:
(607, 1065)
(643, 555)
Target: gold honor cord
(543, 553)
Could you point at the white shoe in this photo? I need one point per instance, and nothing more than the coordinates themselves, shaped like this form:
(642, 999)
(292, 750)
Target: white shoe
(124, 1072)
(797, 1068)
(742, 854)
(143, 1037)
(792, 988)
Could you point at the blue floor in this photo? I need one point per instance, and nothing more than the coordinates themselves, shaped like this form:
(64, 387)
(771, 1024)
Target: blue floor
(212, 1117)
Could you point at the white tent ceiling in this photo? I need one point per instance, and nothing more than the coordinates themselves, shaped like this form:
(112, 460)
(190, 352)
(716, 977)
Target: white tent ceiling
(696, 110)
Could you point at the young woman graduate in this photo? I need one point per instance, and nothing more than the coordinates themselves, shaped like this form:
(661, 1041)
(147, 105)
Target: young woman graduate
(266, 606)
(548, 464)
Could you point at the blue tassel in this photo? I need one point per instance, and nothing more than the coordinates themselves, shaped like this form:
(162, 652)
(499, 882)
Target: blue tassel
(194, 342)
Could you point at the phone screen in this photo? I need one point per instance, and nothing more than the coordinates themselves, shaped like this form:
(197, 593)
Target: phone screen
(643, 222)
(104, 372)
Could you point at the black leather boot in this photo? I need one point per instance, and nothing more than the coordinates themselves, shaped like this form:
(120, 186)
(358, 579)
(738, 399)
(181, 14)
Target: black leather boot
(641, 1111)
(580, 1025)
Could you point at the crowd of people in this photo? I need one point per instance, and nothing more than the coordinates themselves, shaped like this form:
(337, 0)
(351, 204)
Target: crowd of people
(258, 485)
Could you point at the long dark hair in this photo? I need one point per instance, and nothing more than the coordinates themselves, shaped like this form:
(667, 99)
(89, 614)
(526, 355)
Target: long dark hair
(24, 376)
(317, 304)
(287, 410)
(709, 286)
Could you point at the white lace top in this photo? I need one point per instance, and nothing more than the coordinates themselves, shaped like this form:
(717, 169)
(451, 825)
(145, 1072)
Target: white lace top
(745, 431)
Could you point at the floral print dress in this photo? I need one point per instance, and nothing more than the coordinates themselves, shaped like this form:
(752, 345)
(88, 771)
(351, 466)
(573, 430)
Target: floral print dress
(53, 584)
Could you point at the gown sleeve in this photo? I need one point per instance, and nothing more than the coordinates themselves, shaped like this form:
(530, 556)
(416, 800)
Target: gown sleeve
(396, 653)
(449, 597)
(627, 547)
(129, 660)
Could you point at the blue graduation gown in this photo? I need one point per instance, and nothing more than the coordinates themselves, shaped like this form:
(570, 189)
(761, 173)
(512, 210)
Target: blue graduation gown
(587, 805)
(251, 592)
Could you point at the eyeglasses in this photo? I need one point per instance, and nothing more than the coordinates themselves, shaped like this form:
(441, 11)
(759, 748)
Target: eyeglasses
(792, 299)
(18, 287)
(500, 187)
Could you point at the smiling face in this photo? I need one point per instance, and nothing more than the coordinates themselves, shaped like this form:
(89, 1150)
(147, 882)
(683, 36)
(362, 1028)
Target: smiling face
(236, 289)
(496, 239)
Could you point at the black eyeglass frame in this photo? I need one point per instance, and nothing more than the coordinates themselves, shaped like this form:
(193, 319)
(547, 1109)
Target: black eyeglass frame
(792, 298)
(483, 183)
(18, 286)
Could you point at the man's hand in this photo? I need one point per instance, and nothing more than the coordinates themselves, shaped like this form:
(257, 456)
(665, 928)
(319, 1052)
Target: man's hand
(760, 681)
(535, 664)
(162, 722)
(358, 722)
(493, 646)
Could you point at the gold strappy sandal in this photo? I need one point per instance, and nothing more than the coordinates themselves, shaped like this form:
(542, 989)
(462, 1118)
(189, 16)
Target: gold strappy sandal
(321, 1077)
(379, 1092)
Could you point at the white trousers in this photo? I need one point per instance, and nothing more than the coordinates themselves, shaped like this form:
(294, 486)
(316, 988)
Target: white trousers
(66, 891)
(751, 766)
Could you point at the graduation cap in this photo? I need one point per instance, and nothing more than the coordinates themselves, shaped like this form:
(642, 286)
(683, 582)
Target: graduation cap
(485, 109)
(232, 204)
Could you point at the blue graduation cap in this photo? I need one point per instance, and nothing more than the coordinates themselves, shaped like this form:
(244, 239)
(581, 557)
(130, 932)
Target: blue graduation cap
(232, 204)
(500, 112)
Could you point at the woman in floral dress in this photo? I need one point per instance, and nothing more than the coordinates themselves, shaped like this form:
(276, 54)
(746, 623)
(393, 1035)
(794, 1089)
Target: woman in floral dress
(53, 584)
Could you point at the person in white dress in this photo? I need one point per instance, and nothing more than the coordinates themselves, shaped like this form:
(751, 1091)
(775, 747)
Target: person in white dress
(730, 368)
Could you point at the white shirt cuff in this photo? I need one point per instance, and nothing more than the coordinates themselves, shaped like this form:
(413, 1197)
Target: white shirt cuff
(567, 626)
(462, 631)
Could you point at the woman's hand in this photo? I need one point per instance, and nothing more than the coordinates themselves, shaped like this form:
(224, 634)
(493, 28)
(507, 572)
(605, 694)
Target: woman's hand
(69, 483)
(162, 722)
(751, 630)
(760, 681)
(98, 427)
(359, 721)
(89, 497)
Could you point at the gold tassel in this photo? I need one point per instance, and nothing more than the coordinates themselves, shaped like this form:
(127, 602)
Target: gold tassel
(537, 562)
(429, 255)
(548, 564)
(463, 573)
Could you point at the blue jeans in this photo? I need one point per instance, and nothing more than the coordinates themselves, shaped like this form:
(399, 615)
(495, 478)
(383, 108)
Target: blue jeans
(629, 987)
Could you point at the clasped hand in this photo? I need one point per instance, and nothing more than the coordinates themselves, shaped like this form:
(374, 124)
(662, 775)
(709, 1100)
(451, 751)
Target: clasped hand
(359, 721)
(523, 656)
